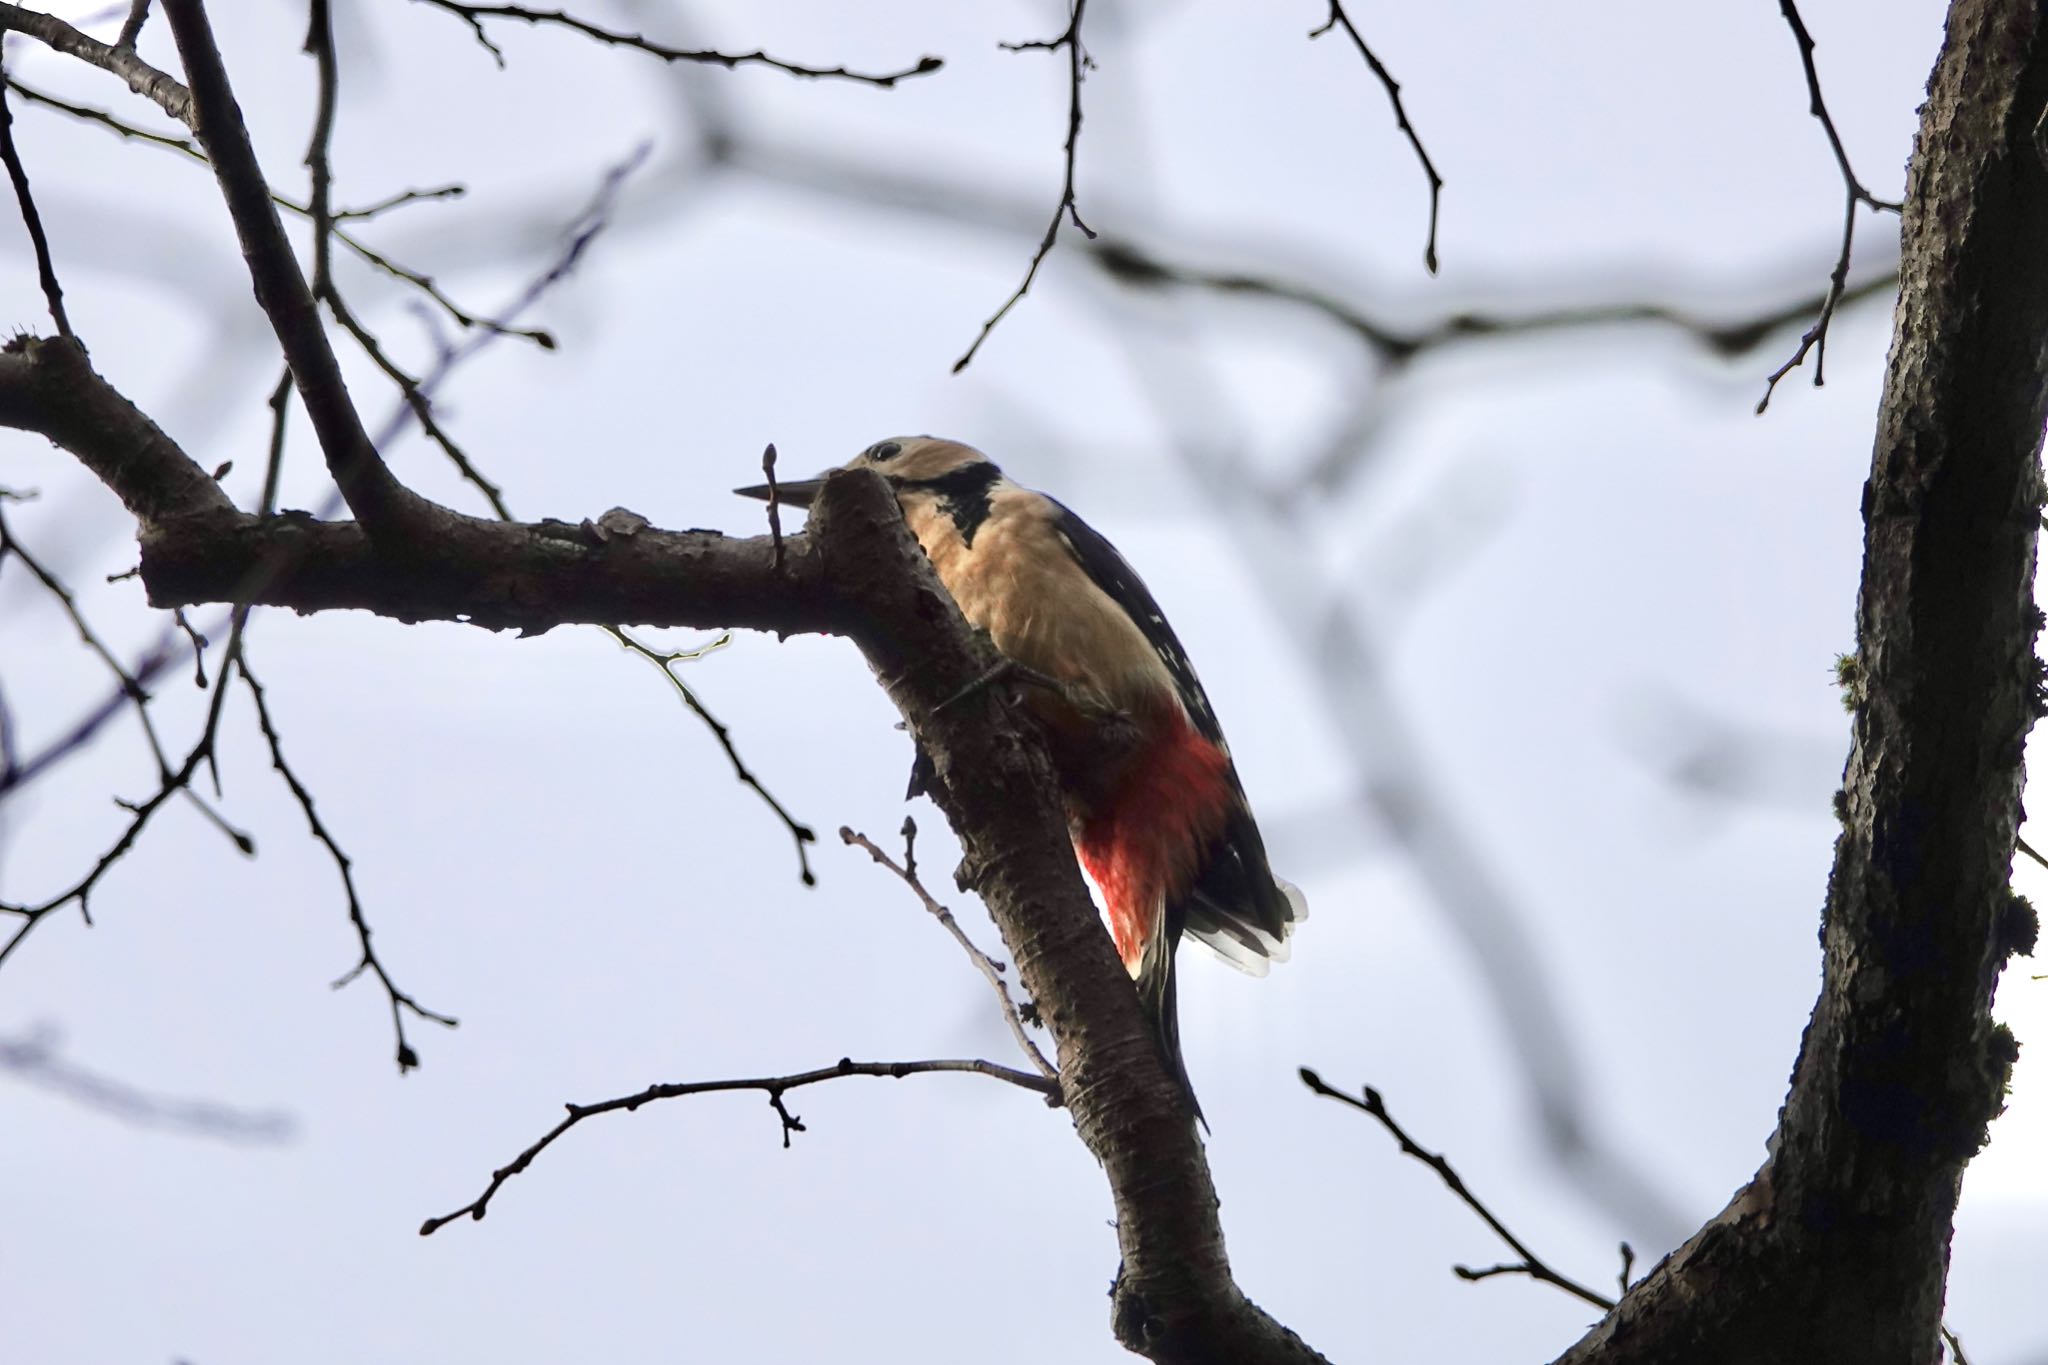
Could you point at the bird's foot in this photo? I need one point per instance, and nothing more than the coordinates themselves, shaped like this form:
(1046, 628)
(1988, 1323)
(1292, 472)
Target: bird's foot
(1009, 670)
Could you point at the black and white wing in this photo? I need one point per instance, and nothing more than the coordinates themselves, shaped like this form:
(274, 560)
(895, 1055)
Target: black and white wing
(1237, 907)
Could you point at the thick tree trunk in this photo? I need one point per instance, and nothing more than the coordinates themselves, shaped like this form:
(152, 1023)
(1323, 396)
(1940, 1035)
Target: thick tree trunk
(1838, 1250)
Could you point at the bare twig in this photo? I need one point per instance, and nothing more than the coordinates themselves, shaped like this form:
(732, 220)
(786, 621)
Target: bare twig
(1338, 18)
(666, 660)
(1397, 343)
(1078, 63)
(2029, 850)
(1725, 333)
(273, 468)
(164, 653)
(80, 892)
(198, 642)
(131, 691)
(401, 1003)
(34, 1060)
(144, 79)
(46, 272)
(416, 397)
(377, 260)
(774, 504)
(987, 965)
(161, 655)
(775, 1087)
(474, 15)
(131, 27)
(386, 507)
(319, 46)
(400, 200)
(1955, 1346)
(1815, 338)
(1529, 1265)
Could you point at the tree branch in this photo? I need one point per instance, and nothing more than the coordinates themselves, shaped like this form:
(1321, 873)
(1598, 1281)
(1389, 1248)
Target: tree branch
(1531, 1264)
(775, 1087)
(474, 15)
(1902, 1066)
(1815, 338)
(131, 27)
(400, 1002)
(1338, 18)
(990, 969)
(35, 1059)
(1068, 207)
(386, 507)
(49, 387)
(801, 834)
(144, 79)
(46, 272)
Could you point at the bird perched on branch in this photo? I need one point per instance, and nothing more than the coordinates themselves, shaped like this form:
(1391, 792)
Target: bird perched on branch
(1153, 802)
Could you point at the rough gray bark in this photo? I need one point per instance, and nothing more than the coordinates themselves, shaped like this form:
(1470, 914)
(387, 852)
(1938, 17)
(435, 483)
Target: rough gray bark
(1838, 1249)
(857, 572)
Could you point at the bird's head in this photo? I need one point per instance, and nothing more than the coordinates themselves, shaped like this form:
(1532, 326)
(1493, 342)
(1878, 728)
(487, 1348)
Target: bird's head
(905, 461)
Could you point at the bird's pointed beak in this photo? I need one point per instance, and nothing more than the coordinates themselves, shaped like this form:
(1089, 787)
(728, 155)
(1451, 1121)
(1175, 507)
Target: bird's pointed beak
(795, 494)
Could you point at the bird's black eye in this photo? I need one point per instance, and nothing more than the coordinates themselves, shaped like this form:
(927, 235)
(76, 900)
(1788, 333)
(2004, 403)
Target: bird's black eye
(884, 450)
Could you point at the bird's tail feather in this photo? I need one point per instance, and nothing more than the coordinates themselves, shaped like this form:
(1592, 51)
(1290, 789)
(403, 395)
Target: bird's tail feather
(1158, 990)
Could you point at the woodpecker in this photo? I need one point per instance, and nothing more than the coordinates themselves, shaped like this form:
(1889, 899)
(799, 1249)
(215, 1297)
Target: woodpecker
(1154, 807)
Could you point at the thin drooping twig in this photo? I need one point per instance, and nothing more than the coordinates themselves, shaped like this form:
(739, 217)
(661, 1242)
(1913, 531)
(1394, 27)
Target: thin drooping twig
(34, 1060)
(415, 396)
(1955, 1346)
(474, 15)
(1078, 62)
(1530, 1264)
(80, 892)
(131, 688)
(46, 272)
(238, 614)
(400, 1002)
(164, 653)
(2029, 850)
(400, 200)
(320, 45)
(377, 260)
(666, 660)
(1725, 333)
(775, 1087)
(1339, 19)
(1815, 338)
(988, 966)
(106, 120)
(589, 222)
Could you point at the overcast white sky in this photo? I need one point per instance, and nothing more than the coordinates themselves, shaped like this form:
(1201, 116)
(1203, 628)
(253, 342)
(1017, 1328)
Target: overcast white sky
(1571, 561)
